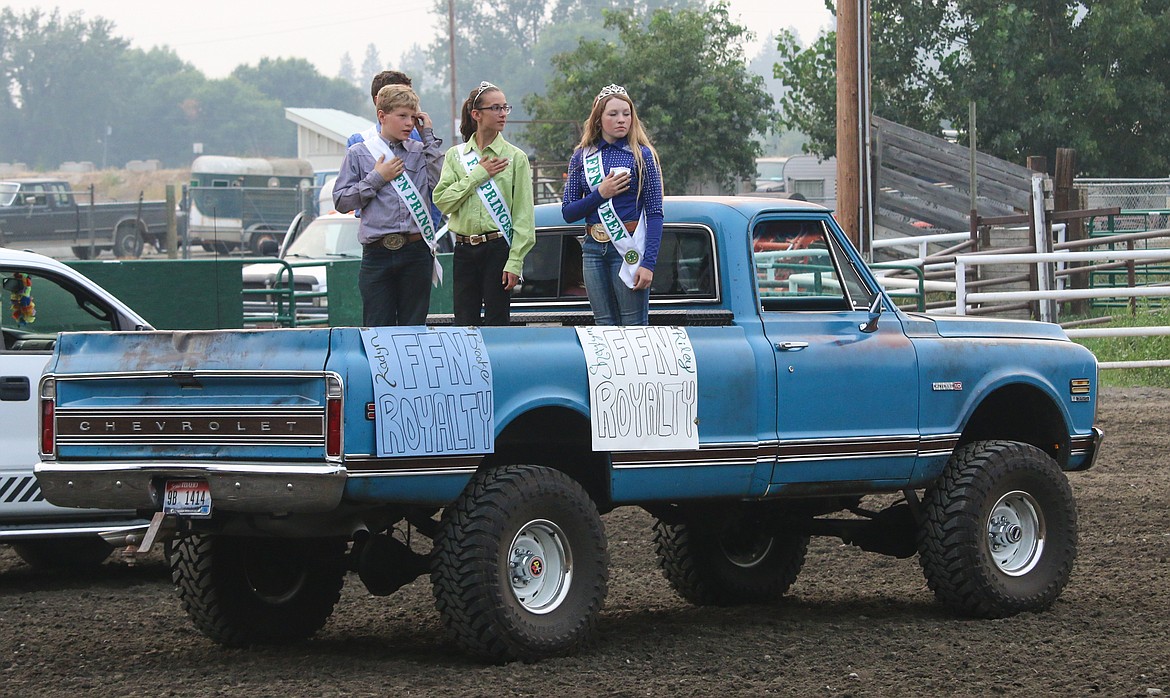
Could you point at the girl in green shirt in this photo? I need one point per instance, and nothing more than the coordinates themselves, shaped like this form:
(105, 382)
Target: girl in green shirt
(486, 190)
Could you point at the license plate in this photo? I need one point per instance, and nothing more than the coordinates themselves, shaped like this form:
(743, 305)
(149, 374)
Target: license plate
(187, 498)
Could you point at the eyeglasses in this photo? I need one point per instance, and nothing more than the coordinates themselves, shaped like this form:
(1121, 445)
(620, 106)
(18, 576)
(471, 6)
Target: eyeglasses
(506, 108)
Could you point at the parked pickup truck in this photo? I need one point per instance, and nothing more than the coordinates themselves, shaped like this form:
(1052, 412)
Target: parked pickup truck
(42, 297)
(39, 211)
(778, 394)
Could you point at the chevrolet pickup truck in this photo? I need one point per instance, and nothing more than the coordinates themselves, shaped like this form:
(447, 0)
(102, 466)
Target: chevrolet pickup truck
(41, 298)
(778, 393)
(45, 211)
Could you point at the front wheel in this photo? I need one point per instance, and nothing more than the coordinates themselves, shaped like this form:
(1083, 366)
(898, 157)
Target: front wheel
(1000, 530)
(242, 591)
(86, 252)
(735, 557)
(520, 567)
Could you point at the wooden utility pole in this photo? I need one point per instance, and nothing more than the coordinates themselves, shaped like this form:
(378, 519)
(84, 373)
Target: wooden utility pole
(848, 121)
(454, 85)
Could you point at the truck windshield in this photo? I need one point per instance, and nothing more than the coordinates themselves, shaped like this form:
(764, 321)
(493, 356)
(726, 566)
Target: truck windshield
(8, 192)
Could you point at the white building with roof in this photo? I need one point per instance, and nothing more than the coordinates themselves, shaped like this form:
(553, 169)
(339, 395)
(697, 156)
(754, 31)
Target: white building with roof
(322, 133)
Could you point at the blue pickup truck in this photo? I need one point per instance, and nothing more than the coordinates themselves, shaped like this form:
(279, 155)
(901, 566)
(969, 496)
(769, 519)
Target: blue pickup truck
(777, 394)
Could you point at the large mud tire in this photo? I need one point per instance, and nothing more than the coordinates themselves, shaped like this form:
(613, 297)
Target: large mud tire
(733, 558)
(1000, 531)
(243, 591)
(64, 554)
(520, 569)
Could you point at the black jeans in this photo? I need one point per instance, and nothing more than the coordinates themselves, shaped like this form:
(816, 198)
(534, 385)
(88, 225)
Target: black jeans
(395, 284)
(479, 271)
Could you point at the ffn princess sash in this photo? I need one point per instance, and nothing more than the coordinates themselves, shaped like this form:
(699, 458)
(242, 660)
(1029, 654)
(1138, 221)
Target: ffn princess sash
(415, 204)
(631, 246)
(490, 195)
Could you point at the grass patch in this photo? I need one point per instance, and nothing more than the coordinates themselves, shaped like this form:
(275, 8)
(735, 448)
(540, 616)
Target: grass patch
(1133, 349)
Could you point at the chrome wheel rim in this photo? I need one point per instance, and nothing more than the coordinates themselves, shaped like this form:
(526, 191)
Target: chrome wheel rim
(540, 566)
(1015, 533)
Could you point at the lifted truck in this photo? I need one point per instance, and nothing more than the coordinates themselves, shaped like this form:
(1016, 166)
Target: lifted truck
(62, 299)
(45, 211)
(776, 392)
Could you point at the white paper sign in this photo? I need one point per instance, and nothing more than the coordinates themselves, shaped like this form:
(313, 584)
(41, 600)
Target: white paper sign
(432, 390)
(643, 388)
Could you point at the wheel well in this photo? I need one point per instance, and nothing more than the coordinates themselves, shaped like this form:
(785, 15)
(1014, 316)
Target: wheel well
(1020, 413)
(559, 438)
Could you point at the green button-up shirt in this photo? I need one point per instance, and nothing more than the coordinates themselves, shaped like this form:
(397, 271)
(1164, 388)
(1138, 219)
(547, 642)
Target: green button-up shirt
(456, 196)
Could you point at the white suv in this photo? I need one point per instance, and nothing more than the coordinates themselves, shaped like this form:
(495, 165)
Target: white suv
(42, 297)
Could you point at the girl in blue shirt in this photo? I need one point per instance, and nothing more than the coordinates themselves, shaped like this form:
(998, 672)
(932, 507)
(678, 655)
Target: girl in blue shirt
(615, 185)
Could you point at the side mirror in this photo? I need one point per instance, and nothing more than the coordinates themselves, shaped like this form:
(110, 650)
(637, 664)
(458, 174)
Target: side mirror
(875, 312)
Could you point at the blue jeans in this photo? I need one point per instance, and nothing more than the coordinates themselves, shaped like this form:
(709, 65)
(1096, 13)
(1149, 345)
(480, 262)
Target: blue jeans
(612, 301)
(395, 284)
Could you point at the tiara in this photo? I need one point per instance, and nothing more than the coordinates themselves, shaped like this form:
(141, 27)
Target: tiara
(608, 90)
(483, 87)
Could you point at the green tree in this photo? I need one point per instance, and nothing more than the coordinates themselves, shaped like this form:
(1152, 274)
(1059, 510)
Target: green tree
(511, 43)
(687, 75)
(1087, 74)
(908, 43)
(295, 82)
(53, 68)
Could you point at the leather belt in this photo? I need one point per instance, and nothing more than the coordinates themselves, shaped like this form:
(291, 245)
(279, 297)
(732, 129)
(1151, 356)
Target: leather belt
(598, 232)
(477, 239)
(395, 241)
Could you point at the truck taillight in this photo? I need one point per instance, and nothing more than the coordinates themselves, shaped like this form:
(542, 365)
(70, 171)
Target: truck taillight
(48, 406)
(333, 394)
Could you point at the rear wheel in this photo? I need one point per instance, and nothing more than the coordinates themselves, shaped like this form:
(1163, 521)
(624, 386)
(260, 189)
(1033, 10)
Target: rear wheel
(64, 553)
(242, 591)
(1000, 534)
(520, 568)
(127, 242)
(740, 557)
(264, 244)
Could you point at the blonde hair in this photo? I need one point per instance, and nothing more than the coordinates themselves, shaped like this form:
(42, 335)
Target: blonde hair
(393, 97)
(591, 133)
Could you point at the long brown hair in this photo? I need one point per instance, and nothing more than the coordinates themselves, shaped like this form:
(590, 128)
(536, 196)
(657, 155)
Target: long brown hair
(467, 124)
(637, 138)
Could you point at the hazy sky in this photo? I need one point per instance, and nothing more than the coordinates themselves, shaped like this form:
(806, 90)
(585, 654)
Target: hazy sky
(218, 35)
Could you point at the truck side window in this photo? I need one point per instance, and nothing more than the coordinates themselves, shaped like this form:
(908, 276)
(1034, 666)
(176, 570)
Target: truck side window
(59, 308)
(798, 267)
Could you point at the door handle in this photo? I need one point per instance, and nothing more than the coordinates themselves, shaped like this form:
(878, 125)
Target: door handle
(14, 389)
(791, 346)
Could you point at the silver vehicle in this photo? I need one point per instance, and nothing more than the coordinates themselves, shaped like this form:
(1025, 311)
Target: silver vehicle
(327, 238)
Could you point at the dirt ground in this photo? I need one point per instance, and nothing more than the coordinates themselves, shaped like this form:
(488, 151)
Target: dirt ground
(855, 623)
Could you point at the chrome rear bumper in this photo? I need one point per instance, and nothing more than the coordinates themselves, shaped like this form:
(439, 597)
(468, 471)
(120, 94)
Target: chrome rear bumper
(240, 487)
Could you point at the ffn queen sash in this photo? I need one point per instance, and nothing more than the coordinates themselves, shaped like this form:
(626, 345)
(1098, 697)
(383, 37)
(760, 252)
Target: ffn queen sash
(415, 204)
(490, 195)
(631, 246)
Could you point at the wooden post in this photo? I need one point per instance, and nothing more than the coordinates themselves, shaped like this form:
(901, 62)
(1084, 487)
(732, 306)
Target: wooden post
(1041, 237)
(172, 239)
(1065, 198)
(848, 122)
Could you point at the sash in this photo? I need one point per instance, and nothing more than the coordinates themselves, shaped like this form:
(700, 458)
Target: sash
(631, 246)
(415, 204)
(490, 195)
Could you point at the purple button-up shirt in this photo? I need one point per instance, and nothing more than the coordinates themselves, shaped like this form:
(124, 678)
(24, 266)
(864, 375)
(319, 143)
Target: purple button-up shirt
(359, 186)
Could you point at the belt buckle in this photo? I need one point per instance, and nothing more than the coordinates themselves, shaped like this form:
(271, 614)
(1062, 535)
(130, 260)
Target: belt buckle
(393, 241)
(476, 239)
(597, 232)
